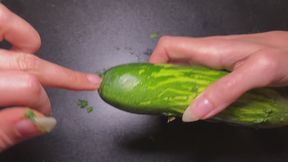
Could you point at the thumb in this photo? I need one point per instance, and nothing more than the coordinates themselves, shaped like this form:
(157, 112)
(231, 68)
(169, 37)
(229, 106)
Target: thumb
(18, 124)
(227, 90)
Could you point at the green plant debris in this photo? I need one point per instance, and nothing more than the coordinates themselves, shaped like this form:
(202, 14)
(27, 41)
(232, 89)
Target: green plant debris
(84, 104)
(153, 35)
(89, 109)
(30, 115)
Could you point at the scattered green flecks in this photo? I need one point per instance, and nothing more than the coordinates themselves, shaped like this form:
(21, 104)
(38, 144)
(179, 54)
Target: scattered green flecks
(89, 109)
(153, 35)
(84, 104)
(30, 115)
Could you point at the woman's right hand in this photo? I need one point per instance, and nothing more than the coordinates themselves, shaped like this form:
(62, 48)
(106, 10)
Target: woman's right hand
(254, 61)
(22, 77)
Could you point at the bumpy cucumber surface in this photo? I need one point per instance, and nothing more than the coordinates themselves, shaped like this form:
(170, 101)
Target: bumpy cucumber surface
(168, 90)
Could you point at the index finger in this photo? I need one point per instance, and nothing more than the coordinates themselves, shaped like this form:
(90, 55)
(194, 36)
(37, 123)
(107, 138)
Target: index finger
(18, 32)
(48, 73)
(216, 52)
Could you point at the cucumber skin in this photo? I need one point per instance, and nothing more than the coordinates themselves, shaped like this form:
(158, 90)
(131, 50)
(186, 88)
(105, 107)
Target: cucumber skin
(169, 89)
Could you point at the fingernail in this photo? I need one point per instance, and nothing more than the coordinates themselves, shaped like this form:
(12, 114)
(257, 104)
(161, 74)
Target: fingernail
(33, 125)
(93, 78)
(199, 108)
(45, 124)
(40, 125)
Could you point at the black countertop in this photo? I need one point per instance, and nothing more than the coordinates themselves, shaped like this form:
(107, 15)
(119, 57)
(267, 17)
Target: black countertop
(91, 35)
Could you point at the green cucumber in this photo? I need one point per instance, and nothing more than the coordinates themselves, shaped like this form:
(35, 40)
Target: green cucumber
(169, 89)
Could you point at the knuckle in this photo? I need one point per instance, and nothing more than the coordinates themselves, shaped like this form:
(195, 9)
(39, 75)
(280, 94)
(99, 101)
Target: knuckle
(26, 62)
(31, 85)
(266, 62)
(223, 91)
(267, 66)
(227, 84)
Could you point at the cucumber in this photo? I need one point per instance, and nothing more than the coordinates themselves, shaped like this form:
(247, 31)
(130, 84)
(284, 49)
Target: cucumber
(168, 89)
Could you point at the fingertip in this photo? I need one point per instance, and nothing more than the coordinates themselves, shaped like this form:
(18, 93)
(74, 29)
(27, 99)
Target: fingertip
(158, 58)
(188, 116)
(199, 108)
(94, 79)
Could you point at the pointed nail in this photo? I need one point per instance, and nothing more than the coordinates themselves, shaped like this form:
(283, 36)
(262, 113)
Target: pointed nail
(188, 116)
(45, 124)
(199, 108)
(39, 125)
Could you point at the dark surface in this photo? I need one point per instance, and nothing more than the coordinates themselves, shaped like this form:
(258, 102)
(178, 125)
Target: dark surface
(91, 35)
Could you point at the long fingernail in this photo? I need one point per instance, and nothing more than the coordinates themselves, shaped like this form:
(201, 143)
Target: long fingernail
(32, 125)
(94, 79)
(199, 108)
(45, 124)
(39, 125)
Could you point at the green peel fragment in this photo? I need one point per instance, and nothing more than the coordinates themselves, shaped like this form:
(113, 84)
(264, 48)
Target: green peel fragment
(89, 109)
(82, 103)
(30, 115)
(153, 35)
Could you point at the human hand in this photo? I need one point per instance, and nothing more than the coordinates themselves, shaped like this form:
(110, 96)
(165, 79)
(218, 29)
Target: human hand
(22, 77)
(255, 60)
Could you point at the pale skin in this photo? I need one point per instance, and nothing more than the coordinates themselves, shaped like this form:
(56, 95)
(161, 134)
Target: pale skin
(23, 76)
(255, 60)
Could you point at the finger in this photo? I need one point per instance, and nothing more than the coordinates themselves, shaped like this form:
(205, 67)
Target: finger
(276, 39)
(213, 52)
(258, 71)
(18, 32)
(48, 73)
(21, 89)
(18, 124)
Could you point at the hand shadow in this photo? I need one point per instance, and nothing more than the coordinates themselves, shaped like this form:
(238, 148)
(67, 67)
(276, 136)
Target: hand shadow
(204, 141)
